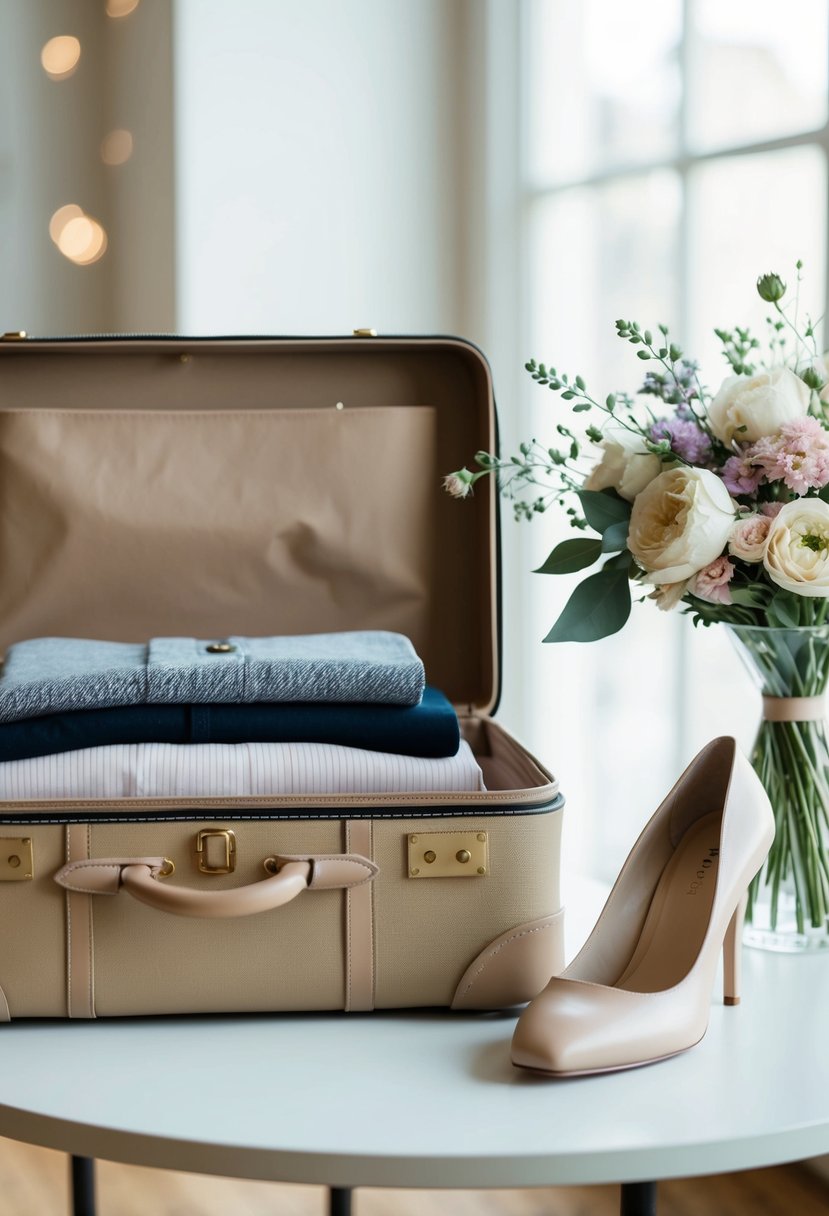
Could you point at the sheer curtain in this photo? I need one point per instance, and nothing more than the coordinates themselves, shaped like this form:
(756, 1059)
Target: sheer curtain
(672, 152)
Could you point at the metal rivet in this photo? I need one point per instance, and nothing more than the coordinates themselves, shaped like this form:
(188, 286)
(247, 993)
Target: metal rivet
(413, 839)
(271, 865)
(14, 860)
(429, 855)
(463, 855)
(414, 872)
(184, 358)
(339, 406)
(482, 836)
(220, 648)
(481, 869)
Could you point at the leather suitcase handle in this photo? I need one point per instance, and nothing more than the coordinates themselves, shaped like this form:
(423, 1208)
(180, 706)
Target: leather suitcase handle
(140, 876)
(272, 892)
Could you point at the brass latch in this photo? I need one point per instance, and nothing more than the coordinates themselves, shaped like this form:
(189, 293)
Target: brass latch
(220, 859)
(16, 861)
(365, 332)
(448, 855)
(14, 335)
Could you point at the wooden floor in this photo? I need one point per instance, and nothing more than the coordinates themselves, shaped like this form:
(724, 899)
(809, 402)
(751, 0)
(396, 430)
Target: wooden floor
(34, 1182)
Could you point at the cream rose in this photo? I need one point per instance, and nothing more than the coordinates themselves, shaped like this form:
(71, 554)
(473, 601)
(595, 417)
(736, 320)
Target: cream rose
(797, 550)
(680, 523)
(760, 404)
(626, 465)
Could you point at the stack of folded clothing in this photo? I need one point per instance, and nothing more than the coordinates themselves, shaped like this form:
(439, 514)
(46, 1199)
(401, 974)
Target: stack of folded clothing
(315, 714)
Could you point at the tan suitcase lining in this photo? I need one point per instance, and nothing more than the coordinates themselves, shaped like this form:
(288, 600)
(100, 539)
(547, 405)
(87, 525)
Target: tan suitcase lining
(271, 510)
(201, 522)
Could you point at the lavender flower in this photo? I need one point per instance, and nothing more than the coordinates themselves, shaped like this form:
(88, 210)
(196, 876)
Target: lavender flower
(688, 440)
(741, 475)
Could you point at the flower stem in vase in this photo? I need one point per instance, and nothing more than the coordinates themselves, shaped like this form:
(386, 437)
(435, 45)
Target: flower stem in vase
(788, 907)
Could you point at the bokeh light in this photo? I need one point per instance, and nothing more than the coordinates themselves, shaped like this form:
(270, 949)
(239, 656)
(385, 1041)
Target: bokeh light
(121, 8)
(60, 56)
(78, 236)
(116, 147)
(61, 218)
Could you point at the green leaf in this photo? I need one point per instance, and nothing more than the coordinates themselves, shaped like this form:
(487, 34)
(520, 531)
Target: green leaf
(754, 595)
(784, 610)
(615, 536)
(603, 508)
(598, 607)
(572, 555)
(620, 561)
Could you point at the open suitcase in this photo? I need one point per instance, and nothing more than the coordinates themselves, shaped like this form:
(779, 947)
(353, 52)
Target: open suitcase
(206, 487)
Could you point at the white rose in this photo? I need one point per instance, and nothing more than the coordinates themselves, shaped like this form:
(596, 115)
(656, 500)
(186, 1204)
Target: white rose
(760, 404)
(626, 465)
(680, 523)
(797, 550)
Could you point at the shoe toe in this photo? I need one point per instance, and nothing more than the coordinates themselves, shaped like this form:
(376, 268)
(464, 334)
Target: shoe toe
(574, 1027)
(553, 1033)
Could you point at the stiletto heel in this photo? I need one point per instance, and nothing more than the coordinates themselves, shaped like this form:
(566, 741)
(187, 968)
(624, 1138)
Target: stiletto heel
(732, 955)
(639, 990)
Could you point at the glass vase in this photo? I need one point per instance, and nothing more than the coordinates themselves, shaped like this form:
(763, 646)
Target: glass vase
(788, 901)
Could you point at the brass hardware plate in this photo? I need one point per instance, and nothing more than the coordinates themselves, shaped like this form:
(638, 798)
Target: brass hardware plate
(14, 335)
(448, 854)
(219, 858)
(365, 332)
(16, 860)
(220, 648)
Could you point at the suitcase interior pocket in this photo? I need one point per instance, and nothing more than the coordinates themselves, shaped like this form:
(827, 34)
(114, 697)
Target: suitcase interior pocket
(129, 524)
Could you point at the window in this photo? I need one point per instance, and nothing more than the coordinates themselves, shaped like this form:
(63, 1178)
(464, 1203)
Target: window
(674, 151)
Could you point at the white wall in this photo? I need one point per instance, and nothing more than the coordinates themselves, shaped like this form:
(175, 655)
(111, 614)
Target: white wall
(314, 152)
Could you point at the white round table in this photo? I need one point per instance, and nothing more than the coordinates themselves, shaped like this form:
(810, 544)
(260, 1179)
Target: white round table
(425, 1099)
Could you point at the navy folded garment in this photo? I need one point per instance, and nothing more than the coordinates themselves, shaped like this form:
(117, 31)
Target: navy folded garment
(428, 729)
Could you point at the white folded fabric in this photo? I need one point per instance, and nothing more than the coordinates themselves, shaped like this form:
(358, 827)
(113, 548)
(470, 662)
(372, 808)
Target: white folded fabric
(202, 770)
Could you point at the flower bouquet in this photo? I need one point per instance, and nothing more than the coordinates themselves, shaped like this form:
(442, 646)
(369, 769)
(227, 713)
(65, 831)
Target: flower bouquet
(718, 503)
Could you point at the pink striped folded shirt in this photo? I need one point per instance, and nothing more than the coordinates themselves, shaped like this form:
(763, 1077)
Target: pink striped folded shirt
(162, 770)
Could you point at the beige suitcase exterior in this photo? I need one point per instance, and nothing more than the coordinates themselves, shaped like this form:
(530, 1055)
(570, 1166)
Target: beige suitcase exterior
(203, 487)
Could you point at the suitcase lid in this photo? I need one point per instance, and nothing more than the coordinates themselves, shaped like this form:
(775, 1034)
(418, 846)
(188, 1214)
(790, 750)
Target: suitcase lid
(204, 487)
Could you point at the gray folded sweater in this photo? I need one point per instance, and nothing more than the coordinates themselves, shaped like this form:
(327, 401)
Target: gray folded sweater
(47, 675)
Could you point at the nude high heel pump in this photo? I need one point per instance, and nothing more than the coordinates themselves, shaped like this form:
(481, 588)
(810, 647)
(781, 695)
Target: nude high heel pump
(640, 988)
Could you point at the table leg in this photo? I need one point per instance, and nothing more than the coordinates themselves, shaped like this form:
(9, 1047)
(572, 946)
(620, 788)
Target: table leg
(638, 1199)
(83, 1186)
(340, 1203)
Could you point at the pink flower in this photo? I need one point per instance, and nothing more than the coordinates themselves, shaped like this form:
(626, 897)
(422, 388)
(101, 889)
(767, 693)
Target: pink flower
(798, 455)
(711, 583)
(772, 508)
(741, 475)
(748, 538)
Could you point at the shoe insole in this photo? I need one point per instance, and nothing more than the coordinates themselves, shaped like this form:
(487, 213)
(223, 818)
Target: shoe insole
(680, 910)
